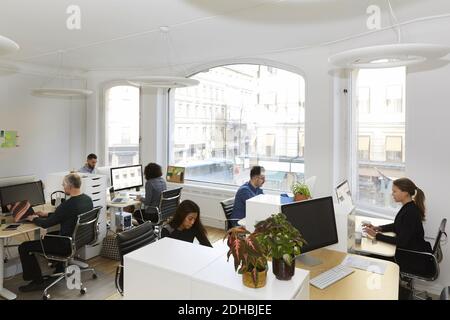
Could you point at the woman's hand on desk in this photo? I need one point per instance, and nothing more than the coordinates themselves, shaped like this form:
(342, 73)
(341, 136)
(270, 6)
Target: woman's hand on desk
(371, 232)
(370, 226)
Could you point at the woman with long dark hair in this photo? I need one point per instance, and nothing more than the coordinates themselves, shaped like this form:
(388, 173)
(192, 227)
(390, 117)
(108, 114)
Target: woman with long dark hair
(408, 225)
(186, 224)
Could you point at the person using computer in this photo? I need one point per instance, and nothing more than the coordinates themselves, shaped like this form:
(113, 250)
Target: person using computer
(248, 190)
(154, 185)
(90, 164)
(186, 225)
(64, 215)
(407, 225)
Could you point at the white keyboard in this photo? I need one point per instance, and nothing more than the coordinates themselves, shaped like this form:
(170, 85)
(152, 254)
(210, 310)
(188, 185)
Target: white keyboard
(331, 276)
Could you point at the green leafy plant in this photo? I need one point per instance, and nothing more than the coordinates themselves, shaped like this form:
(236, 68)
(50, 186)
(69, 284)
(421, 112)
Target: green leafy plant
(301, 188)
(278, 238)
(247, 252)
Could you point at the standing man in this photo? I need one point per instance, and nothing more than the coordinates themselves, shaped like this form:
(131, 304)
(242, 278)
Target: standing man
(89, 167)
(248, 190)
(66, 216)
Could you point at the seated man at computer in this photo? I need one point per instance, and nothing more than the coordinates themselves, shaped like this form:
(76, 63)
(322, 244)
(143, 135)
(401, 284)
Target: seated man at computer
(64, 215)
(248, 190)
(90, 164)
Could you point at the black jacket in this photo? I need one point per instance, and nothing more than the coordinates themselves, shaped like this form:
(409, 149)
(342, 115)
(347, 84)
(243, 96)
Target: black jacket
(408, 229)
(66, 214)
(185, 235)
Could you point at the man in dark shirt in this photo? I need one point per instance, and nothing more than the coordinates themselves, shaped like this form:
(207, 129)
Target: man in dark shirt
(65, 215)
(248, 190)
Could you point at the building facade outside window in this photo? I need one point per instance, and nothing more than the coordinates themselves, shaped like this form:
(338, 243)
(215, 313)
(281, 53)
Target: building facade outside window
(253, 115)
(122, 126)
(380, 135)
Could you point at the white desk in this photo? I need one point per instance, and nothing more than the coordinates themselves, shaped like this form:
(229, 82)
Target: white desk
(173, 269)
(163, 269)
(24, 228)
(219, 281)
(368, 246)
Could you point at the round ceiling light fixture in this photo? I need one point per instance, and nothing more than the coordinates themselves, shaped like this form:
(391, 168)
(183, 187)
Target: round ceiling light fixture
(7, 46)
(163, 82)
(388, 56)
(61, 92)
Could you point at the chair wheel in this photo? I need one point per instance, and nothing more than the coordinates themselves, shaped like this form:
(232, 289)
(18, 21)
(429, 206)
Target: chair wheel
(94, 276)
(46, 296)
(83, 290)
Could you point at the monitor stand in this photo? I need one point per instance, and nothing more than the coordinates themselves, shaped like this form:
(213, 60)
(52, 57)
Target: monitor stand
(308, 260)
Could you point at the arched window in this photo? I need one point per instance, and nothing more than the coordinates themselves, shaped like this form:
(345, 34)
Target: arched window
(122, 115)
(252, 115)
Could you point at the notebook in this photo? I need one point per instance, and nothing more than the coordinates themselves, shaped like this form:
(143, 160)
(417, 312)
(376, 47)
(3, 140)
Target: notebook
(20, 210)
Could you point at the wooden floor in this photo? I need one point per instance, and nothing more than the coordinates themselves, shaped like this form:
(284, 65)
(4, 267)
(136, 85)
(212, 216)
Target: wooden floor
(99, 289)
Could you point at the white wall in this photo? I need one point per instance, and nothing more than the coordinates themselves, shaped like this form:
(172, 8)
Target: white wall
(51, 131)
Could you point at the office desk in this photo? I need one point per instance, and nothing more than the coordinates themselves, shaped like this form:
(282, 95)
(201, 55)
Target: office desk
(368, 246)
(360, 285)
(24, 228)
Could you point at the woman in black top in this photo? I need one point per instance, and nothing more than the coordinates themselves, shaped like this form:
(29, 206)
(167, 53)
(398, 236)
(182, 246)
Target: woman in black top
(408, 222)
(186, 225)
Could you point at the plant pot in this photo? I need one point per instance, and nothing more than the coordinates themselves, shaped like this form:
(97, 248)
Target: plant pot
(282, 270)
(261, 278)
(300, 197)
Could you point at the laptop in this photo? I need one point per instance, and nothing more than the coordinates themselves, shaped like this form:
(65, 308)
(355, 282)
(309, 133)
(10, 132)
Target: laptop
(20, 210)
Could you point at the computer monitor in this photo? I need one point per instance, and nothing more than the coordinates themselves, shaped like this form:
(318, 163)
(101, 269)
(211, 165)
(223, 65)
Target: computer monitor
(128, 177)
(316, 222)
(32, 191)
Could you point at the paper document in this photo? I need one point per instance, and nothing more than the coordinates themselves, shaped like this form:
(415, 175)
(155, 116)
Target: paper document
(364, 264)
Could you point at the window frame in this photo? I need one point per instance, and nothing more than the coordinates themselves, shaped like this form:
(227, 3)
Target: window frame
(103, 128)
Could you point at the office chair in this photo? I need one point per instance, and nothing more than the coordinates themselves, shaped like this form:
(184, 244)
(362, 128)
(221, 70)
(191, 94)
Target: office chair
(168, 205)
(445, 294)
(416, 265)
(85, 233)
(227, 206)
(129, 241)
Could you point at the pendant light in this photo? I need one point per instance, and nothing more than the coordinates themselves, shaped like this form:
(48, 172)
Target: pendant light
(60, 91)
(164, 81)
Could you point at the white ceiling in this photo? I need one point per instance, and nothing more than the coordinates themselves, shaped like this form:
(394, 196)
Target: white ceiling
(118, 34)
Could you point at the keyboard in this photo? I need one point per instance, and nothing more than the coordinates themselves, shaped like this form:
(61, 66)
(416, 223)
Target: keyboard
(331, 276)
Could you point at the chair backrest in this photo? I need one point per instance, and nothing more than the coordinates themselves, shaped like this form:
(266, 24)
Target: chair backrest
(86, 231)
(135, 238)
(170, 199)
(227, 206)
(437, 244)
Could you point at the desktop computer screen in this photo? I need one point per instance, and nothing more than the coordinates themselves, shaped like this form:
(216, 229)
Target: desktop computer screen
(32, 191)
(129, 177)
(315, 220)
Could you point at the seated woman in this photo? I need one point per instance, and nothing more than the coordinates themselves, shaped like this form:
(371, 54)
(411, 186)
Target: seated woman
(408, 221)
(154, 185)
(186, 225)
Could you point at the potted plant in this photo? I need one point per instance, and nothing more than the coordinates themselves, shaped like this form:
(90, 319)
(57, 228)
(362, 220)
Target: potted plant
(301, 191)
(249, 258)
(281, 241)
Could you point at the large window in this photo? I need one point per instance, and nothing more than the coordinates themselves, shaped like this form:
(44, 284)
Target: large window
(122, 125)
(380, 134)
(245, 115)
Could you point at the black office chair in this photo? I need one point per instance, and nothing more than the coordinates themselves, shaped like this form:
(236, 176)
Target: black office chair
(227, 206)
(85, 233)
(416, 265)
(168, 204)
(129, 241)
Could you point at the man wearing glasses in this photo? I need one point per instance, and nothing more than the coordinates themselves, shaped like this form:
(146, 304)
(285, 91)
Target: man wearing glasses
(248, 190)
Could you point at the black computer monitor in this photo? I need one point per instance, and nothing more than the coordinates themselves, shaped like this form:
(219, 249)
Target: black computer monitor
(31, 191)
(316, 222)
(127, 177)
